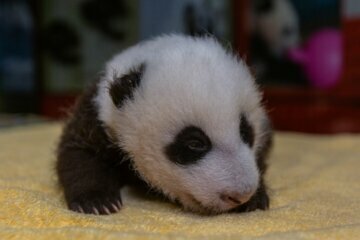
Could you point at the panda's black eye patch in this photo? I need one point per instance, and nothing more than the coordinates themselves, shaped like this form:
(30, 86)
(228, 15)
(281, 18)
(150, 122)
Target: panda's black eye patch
(123, 87)
(190, 145)
(246, 131)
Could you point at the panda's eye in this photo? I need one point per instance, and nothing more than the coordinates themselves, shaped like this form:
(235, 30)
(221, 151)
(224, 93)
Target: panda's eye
(196, 145)
(189, 146)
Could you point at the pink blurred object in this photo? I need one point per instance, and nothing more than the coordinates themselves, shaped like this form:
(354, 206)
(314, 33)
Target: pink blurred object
(321, 58)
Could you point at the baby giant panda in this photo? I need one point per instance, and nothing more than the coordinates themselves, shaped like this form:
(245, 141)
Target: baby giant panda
(178, 115)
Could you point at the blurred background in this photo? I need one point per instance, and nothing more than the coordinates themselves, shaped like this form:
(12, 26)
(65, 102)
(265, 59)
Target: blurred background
(305, 54)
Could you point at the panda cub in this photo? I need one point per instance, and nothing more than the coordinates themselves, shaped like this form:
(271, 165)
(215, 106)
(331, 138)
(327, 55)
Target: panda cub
(176, 115)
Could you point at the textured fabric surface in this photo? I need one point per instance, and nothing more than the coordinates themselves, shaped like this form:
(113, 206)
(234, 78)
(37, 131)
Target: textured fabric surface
(314, 186)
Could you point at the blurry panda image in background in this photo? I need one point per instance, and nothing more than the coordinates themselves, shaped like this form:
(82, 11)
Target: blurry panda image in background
(274, 30)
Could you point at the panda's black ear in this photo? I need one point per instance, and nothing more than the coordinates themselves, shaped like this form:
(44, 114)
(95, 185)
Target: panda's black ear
(122, 87)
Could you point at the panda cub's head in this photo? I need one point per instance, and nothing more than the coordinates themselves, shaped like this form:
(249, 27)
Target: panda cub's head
(188, 113)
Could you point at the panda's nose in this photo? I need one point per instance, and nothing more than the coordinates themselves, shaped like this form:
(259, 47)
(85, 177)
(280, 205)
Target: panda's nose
(235, 198)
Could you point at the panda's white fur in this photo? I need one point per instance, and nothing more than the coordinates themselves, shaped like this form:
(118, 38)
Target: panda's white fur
(187, 81)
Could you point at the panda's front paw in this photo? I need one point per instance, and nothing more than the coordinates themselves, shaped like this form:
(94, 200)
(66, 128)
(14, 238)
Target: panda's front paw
(260, 200)
(98, 203)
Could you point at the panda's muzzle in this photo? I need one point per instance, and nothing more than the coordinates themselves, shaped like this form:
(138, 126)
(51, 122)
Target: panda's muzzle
(234, 198)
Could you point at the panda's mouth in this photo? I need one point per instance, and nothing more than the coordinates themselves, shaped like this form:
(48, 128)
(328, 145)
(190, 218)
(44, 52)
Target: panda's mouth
(194, 205)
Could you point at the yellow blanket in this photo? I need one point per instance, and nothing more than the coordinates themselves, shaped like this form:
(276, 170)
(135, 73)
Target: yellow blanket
(314, 181)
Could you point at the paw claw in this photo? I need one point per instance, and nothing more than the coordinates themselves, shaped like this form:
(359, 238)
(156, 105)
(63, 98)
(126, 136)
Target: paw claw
(95, 211)
(106, 210)
(97, 203)
(81, 209)
(115, 207)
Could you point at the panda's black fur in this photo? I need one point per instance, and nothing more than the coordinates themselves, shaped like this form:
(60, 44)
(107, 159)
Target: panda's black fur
(93, 166)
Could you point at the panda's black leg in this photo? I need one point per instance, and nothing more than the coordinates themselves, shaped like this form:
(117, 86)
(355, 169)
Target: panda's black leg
(91, 182)
(260, 200)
